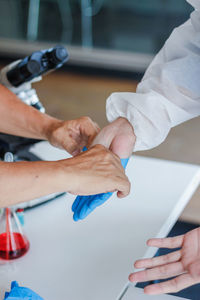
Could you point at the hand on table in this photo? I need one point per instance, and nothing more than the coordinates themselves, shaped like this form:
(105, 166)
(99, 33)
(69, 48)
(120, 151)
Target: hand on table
(119, 138)
(72, 135)
(183, 264)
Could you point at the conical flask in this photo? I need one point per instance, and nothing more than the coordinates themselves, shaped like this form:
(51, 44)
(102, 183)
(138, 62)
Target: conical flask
(13, 243)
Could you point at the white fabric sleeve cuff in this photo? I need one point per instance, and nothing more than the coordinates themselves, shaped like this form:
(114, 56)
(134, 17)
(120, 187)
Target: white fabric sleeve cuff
(148, 114)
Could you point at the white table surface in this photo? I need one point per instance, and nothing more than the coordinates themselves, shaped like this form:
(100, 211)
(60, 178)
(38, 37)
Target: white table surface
(91, 259)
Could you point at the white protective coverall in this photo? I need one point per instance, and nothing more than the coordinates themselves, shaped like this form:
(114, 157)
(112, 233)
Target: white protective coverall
(169, 92)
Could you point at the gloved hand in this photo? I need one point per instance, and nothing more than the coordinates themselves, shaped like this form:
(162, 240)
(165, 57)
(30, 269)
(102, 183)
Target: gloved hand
(84, 205)
(21, 293)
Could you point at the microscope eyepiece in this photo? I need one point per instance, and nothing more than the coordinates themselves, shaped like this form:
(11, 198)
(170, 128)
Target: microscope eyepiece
(33, 67)
(38, 63)
(59, 54)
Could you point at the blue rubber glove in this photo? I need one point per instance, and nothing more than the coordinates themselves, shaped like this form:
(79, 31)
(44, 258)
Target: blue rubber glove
(84, 205)
(21, 293)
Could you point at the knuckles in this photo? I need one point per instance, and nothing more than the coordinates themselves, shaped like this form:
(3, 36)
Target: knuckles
(176, 287)
(163, 270)
(86, 119)
(103, 153)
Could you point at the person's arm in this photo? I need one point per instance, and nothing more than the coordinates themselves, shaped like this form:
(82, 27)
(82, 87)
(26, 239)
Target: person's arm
(91, 172)
(23, 120)
(169, 93)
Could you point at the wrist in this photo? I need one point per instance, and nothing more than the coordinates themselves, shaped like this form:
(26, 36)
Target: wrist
(66, 174)
(49, 125)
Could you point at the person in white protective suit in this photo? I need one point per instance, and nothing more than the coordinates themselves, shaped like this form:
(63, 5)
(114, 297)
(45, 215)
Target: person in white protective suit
(168, 95)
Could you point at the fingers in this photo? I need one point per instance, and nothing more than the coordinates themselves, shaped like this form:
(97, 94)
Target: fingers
(161, 272)
(120, 195)
(86, 204)
(88, 129)
(123, 188)
(100, 171)
(171, 286)
(120, 182)
(110, 160)
(77, 147)
(72, 146)
(73, 135)
(157, 261)
(123, 194)
(81, 209)
(174, 242)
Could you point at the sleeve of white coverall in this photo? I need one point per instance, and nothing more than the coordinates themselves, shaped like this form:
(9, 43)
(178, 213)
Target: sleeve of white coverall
(169, 92)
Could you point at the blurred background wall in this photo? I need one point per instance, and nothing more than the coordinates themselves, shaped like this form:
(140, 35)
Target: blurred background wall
(111, 43)
(111, 32)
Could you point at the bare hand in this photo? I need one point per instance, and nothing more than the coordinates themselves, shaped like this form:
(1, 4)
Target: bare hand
(97, 171)
(184, 264)
(118, 137)
(72, 135)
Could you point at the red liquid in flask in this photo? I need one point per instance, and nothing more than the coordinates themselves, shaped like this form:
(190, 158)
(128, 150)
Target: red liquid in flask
(13, 245)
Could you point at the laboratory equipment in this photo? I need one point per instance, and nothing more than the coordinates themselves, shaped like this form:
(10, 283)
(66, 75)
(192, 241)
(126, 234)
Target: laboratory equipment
(18, 78)
(13, 242)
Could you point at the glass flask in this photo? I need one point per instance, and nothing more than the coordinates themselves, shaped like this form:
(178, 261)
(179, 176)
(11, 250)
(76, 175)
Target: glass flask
(13, 242)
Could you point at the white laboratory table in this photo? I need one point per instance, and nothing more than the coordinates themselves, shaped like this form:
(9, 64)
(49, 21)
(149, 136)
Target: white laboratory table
(91, 259)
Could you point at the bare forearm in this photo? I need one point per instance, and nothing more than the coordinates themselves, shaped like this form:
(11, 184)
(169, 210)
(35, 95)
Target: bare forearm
(20, 119)
(23, 181)
(92, 172)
